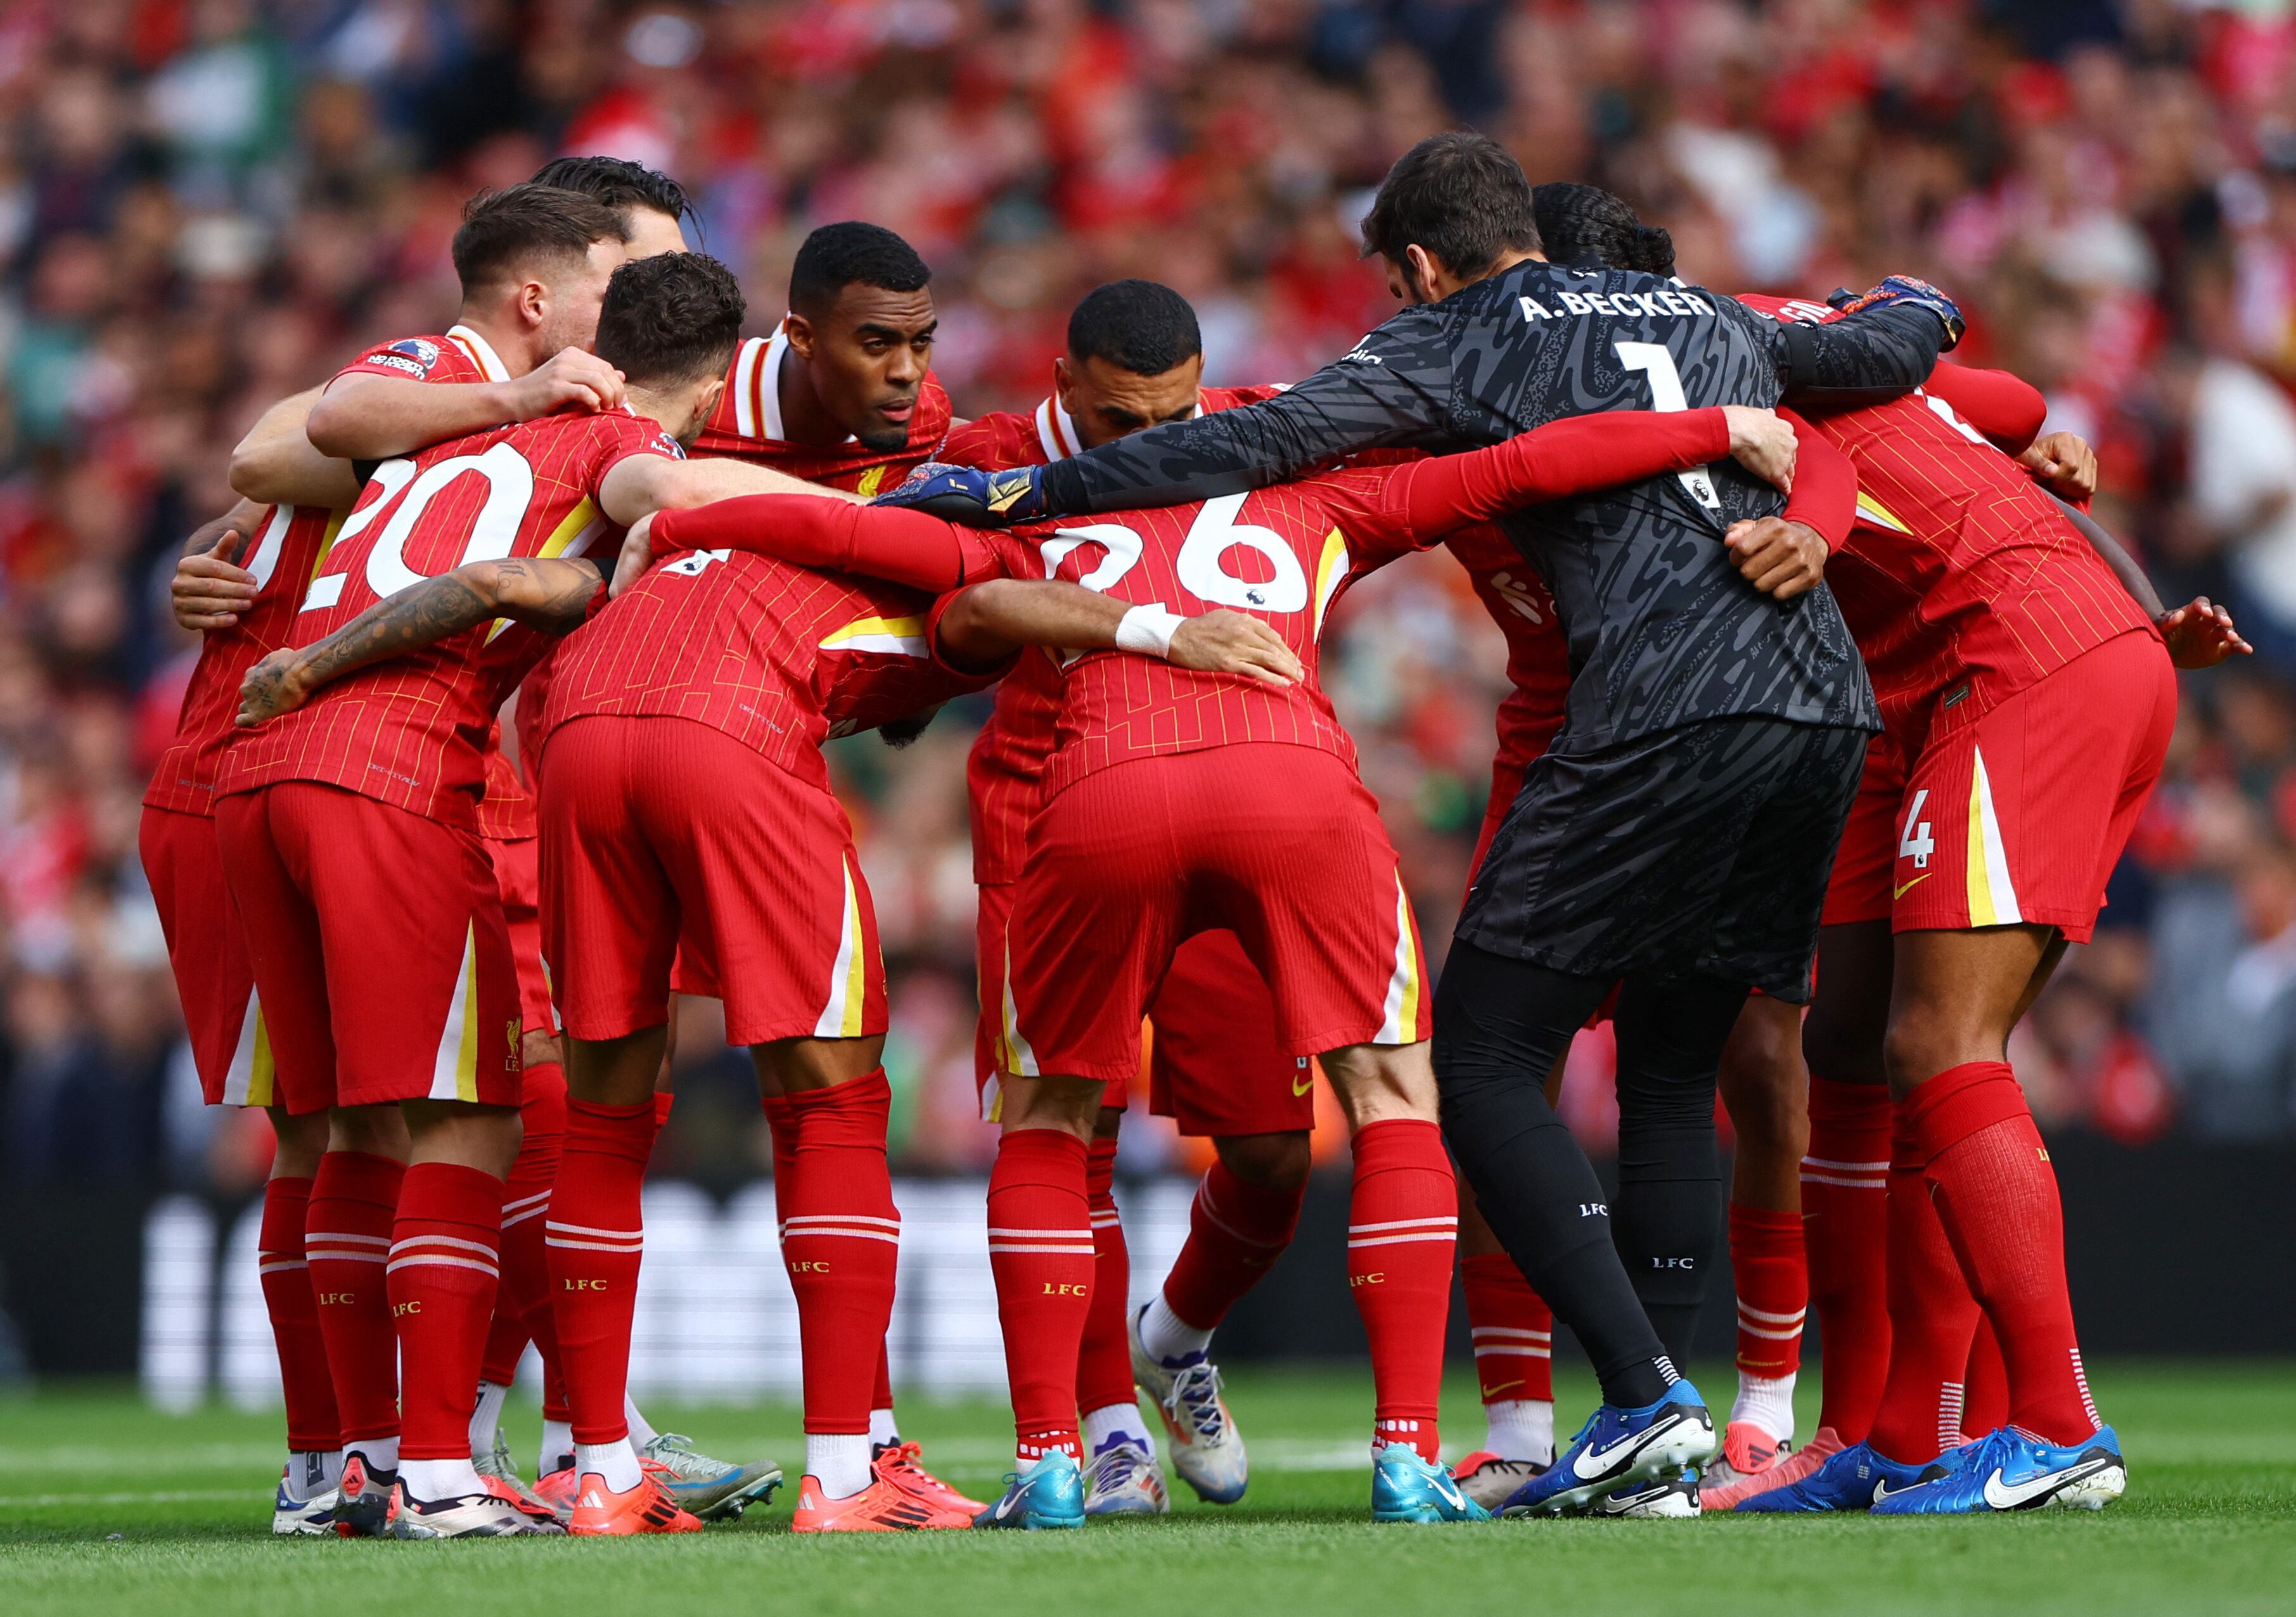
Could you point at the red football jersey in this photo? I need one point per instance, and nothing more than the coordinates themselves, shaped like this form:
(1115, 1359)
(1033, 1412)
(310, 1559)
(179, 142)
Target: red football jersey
(1962, 581)
(285, 550)
(777, 656)
(1539, 654)
(507, 808)
(413, 731)
(1007, 760)
(747, 426)
(1283, 554)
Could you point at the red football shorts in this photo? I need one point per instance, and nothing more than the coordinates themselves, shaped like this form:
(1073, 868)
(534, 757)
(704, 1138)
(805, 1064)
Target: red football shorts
(2020, 816)
(1279, 844)
(518, 877)
(213, 980)
(658, 832)
(379, 949)
(1217, 1070)
(1217, 1067)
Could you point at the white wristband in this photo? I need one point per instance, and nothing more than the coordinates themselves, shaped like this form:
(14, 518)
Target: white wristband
(1148, 630)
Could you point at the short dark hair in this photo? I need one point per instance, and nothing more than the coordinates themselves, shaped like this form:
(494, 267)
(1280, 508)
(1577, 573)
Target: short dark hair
(502, 230)
(1141, 326)
(1461, 196)
(838, 256)
(670, 319)
(619, 182)
(1588, 224)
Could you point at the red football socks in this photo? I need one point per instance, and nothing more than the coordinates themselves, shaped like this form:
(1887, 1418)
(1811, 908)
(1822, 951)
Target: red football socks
(595, 1234)
(1104, 1360)
(1235, 1233)
(1984, 1387)
(1997, 1197)
(347, 1242)
(442, 1276)
(1931, 1318)
(1402, 1229)
(1040, 1249)
(1773, 1283)
(311, 1424)
(840, 1242)
(1845, 1234)
(1512, 1330)
(522, 1308)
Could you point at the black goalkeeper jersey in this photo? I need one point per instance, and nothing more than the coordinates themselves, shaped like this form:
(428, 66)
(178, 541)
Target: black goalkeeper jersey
(1662, 629)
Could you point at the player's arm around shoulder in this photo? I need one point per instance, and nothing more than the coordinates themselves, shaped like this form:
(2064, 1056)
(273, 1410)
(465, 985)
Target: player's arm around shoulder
(277, 465)
(552, 595)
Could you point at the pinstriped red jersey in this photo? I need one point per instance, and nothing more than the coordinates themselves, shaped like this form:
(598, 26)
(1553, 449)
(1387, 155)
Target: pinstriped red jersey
(287, 545)
(413, 731)
(1539, 655)
(1007, 760)
(780, 657)
(747, 426)
(1283, 554)
(1962, 581)
(505, 807)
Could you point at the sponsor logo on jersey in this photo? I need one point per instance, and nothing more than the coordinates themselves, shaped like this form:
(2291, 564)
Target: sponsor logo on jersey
(425, 352)
(399, 362)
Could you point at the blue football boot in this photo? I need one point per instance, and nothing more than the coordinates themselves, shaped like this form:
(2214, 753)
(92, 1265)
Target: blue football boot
(1405, 1488)
(1856, 1479)
(1618, 1448)
(2010, 1470)
(1049, 1493)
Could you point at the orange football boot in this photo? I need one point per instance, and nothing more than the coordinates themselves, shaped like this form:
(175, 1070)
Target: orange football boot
(882, 1506)
(899, 1464)
(1789, 1468)
(601, 1512)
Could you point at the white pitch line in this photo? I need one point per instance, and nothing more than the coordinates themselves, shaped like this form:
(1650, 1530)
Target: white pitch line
(35, 1501)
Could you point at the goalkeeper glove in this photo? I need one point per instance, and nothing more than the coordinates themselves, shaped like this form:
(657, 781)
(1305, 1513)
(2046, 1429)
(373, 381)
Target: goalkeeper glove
(1904, 289)
(977, 499)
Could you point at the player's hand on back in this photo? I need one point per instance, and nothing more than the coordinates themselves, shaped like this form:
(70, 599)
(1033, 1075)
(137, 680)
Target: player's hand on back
(1779, 558)
(209, 590)
(1762, 442)
(636, 557)
(2199, 635)
(1221, 641)
(571, 376)
(271, 688)
(2064, 464)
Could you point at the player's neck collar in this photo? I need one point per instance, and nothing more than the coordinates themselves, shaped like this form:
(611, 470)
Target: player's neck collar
(481, 352)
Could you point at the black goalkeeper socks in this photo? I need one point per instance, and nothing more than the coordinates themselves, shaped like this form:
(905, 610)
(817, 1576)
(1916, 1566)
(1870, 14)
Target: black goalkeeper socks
(1500, 1024)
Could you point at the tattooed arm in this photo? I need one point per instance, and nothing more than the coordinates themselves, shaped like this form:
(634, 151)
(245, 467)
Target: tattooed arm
(550, 594)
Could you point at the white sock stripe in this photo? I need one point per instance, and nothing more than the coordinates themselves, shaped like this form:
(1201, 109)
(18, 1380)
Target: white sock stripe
(1103, 1221)
(1827, 1162)
(1074, 1252)
(1514, 1351)
(1746, 1312)
(828, 1231)
(345, 1239)
(840, 1218)
(396, 1265)
(628, 1251)
(459, 1244)
(1846, 1184)
(279, 1265)
(344, 1257)
(1056, 1235)
(538, 1198)
(1480, 1331)
(1445, 1235)
(1770, 1336)
(1452, 1222)
(511, 1218)
(610, 1235)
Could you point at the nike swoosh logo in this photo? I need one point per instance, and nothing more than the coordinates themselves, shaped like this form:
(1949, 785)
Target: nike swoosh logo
(1882, 1491)
(1490, 1391)
(1600, 1459)
(2006, 1495)
(1898, 892)
(1300, 1086)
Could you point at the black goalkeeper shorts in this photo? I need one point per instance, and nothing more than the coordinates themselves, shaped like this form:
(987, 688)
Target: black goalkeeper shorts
(1704, 848)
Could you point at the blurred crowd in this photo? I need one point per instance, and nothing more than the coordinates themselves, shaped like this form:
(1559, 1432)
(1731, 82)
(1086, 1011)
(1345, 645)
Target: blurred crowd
(206, 204)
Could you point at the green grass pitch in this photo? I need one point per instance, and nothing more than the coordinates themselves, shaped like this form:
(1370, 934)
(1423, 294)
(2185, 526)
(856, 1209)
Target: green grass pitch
(105, 1507)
